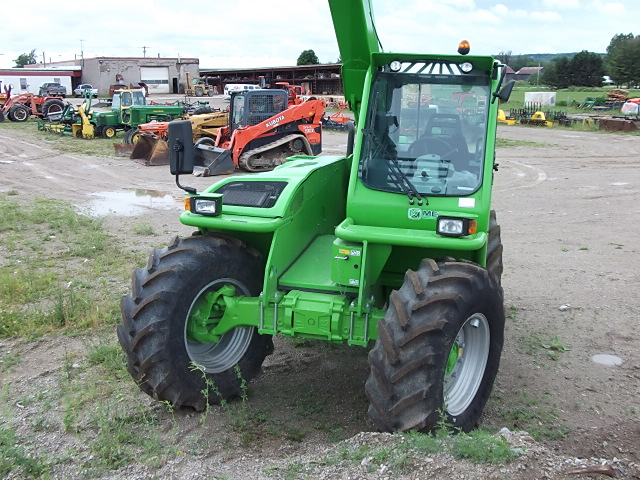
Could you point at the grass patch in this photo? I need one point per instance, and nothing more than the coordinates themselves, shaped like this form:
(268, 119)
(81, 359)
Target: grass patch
(62, 270)
(401, 453)
(144, 229)
(506, 143)
(14, 457)
(65, 143)
(105, 410)
(531, 414)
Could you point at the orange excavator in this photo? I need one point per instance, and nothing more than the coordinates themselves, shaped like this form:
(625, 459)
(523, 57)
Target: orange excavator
(262, 131)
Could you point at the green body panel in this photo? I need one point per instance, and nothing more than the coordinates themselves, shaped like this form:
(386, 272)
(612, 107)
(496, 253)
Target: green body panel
(135, 116)
(334, 246)
(355, 32)
(140, 114)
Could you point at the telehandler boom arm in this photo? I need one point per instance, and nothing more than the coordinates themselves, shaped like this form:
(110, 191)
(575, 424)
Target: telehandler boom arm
(357, 40)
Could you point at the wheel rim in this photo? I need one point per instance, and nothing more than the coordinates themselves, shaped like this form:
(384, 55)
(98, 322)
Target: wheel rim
(230, 348)
(20, 114)
(53, 109)
(466, 364)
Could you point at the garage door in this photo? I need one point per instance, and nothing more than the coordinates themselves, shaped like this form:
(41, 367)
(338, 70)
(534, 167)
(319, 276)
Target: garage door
(157, 78)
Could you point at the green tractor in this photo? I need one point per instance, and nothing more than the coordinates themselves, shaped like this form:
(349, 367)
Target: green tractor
(393, 246)
(129, 109)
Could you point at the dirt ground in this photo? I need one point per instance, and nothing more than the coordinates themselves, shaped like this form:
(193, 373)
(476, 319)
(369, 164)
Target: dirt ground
(568, 206)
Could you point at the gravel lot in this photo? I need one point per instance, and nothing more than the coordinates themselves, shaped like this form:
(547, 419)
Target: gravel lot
(568, 203)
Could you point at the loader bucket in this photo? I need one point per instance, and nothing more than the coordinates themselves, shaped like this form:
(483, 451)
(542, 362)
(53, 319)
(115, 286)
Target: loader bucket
(123, 149)
(211, 160)
(150, 150)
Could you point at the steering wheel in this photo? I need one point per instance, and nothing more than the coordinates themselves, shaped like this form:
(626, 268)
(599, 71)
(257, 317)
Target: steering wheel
(432, 145)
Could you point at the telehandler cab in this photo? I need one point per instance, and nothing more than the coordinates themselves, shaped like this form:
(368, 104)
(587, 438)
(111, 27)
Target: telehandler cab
(394, 244)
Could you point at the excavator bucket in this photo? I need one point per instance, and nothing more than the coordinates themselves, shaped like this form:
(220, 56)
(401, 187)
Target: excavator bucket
(211, 160)
(150, 150)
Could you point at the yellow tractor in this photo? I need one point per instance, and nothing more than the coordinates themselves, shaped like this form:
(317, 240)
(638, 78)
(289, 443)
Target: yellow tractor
(197, 87)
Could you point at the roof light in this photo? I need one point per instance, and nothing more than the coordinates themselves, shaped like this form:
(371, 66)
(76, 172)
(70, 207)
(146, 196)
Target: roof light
(395, 66)
(464, 47)
(466, 67)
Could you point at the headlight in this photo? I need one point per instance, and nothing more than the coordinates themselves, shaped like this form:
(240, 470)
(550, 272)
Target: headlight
(395, 66)
(209, 206)
(456, 227)
(466, 67)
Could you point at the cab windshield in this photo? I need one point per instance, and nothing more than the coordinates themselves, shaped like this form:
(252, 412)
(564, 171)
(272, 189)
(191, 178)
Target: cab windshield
(425, 134)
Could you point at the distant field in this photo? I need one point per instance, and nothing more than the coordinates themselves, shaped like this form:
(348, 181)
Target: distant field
(564, 97)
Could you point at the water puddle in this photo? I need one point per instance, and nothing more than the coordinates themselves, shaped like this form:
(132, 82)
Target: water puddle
(128, 203)
(605, 359)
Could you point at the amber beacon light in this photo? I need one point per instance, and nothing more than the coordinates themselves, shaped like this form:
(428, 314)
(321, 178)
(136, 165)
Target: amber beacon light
(464, 47)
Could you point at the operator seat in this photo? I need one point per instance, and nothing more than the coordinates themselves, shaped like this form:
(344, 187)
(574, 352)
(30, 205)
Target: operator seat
(443, 137)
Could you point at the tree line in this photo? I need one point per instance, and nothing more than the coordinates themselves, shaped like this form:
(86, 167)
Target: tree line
(586, 69)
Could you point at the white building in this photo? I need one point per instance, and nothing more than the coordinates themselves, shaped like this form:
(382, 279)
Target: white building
(28, 80)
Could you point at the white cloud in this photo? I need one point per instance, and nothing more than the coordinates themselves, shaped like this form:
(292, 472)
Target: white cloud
(500, 9)
(609, 8)
(546, 16)
(561, 4)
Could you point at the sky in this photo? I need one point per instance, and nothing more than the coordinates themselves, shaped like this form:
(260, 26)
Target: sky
(251, 33)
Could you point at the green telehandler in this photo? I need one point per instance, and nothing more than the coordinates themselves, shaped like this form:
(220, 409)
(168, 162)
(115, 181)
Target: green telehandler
(393, 247)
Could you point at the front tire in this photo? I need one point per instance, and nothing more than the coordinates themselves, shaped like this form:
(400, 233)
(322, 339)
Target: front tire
(19, 113)
(438, 349)
(160, 353)
(108, 132)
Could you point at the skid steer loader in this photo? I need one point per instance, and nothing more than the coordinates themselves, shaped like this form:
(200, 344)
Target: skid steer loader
(262, 131)
(394, 244)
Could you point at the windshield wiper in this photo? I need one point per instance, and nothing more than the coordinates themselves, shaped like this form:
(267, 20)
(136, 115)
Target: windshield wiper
(398, 177)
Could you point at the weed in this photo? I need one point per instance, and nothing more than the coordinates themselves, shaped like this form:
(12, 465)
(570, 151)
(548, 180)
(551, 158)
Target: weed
(512, 312)
(583, 248)
(8, 361)
(555, 345)
(533, 415)
(481, 446)
(144, 229)
(13, 457)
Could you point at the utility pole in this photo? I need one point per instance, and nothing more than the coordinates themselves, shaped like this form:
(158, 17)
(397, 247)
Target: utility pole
(81, 52)
(144, 51)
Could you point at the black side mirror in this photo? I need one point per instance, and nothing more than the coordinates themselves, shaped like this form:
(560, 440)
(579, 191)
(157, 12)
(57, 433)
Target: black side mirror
(180, 147)
(505, 92)
(351, 134)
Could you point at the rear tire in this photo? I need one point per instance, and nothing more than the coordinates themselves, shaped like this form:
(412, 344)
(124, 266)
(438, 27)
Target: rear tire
(52, 106)
(153, 334)
(202, 110)
(199, 92)
(438, 349)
